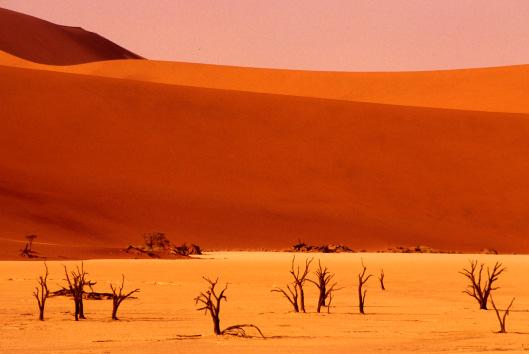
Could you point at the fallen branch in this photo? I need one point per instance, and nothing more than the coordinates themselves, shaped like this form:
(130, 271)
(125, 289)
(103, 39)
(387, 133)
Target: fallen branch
(238, 331)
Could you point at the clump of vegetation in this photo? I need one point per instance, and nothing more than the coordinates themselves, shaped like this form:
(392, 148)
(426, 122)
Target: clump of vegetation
(156, 241)
(157, 245)
(210, 302)
(481, 285)
(28, 251)
(186, 250)
(330, 248)
(415, 249)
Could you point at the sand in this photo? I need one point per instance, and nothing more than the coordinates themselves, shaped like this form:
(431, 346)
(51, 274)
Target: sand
(422, 310)
(96, 155)
(500, 89)
(101, 161)
(44, 42)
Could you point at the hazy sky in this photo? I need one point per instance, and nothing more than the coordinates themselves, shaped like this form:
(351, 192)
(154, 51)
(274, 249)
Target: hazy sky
(306, 34)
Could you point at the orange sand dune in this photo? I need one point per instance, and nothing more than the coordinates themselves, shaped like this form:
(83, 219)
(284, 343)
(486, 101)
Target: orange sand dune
(45, 42)
(501, 89)
(98, 161)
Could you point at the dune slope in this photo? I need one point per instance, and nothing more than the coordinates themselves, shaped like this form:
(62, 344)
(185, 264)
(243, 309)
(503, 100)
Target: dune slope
(44, 42)
(90, 160)
(501, 89)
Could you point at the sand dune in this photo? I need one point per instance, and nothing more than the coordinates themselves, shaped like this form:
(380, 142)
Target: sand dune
(100, 161)
(501, 89)
(45, 42)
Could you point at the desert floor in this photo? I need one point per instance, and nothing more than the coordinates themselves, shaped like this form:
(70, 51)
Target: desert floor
(423, 308)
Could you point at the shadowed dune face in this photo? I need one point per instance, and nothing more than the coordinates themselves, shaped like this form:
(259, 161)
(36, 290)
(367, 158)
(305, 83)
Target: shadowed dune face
(101, 161)
(44, 42)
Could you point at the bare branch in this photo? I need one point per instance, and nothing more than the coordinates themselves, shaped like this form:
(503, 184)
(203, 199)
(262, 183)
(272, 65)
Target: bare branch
(118, 296)
(362, 279)
(43, 293)
(501, 319)
(480, 288)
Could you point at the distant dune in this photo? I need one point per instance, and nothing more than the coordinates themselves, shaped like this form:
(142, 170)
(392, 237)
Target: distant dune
(99, 153)
(90, 160)
(44, 42)
(500, 89)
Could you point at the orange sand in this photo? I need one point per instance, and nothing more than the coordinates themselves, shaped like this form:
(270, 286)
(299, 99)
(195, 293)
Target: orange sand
(100, 161)
(501, 89)
(423, 309)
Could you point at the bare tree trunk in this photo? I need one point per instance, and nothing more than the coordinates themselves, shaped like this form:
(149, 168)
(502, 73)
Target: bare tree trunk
(299, 280)
(43, 293)
(76, 309)
(115, 311)
(296, 307)
(381, 279)
(323, 283)
(76, 284)
(362, 279)
(81, 308)
(216, 326)
(321, 300)
(301, 298)
(501, 320)
(361, 298)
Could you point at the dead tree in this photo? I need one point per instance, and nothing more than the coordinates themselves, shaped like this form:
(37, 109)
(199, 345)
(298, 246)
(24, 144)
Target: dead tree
(322, 282)
(76, 280)
(118, 296)
(476, 289)
(296, 295)
(329, 302)
(505, 313)
(28, 251)
(42, 294)
(362, 279)
(292, 295)
(30, 239)
(381, 279)
(299, 279)
(210, 302)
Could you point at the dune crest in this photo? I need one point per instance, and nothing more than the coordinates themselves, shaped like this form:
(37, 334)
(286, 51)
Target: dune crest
(44, 42)
(500, 89)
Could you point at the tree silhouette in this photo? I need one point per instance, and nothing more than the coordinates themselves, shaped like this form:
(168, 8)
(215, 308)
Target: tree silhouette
(210, 302)
(118, 297)
(480, 287)
(325, 288)
(43, 293)
(362, 279)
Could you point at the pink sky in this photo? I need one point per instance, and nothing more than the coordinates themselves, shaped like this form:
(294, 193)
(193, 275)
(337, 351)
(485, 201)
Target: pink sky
(352, 35)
